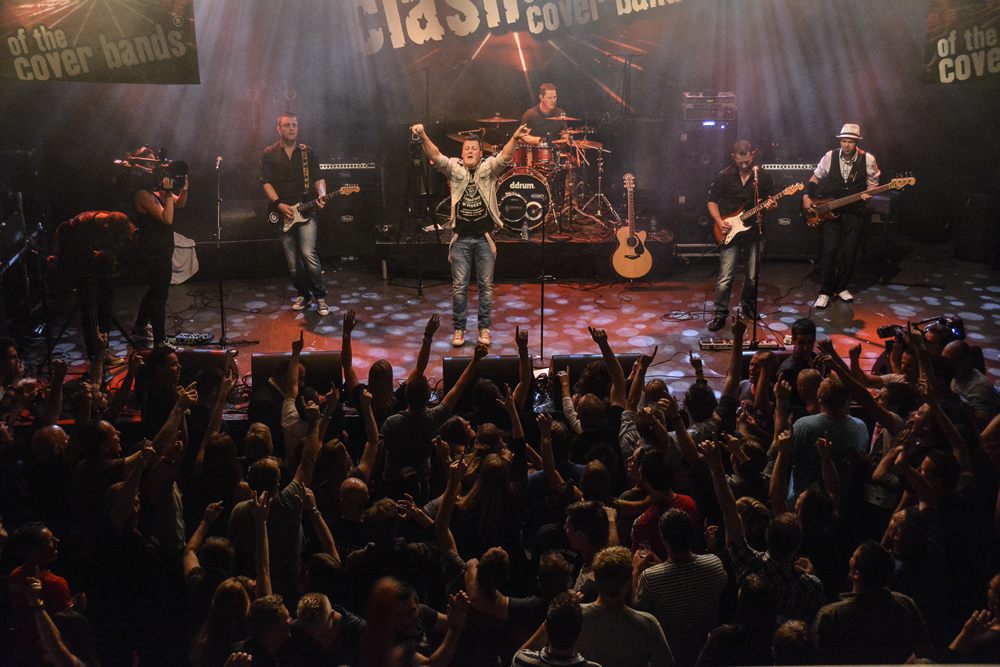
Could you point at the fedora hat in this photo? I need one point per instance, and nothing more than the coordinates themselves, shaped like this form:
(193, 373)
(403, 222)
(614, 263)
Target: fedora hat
(850, 131)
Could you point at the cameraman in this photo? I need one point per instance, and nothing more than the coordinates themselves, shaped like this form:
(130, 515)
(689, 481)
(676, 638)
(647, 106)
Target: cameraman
(86, 250)
(154, 210)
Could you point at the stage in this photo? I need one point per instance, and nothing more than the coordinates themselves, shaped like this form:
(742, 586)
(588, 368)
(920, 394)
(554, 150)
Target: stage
(669, 312)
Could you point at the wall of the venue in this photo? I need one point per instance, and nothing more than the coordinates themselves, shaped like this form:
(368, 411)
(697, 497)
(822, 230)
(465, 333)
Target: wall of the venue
(799, 70)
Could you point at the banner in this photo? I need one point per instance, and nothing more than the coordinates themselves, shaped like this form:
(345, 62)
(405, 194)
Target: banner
(963, 44)
(141, 41)
(374, 24)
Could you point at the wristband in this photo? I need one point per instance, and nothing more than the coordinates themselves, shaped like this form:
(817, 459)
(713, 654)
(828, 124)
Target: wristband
(811, 187)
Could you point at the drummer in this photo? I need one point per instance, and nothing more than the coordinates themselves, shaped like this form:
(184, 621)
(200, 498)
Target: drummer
(541, 119)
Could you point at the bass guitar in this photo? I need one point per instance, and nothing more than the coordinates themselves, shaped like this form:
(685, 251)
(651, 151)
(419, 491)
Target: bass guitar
(631, 259)
(303, 211)
(823, 208)
(737, 219)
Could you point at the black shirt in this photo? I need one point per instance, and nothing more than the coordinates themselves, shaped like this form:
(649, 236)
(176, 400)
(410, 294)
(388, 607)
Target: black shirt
(542, 125)
(285, 174)
(730, 193)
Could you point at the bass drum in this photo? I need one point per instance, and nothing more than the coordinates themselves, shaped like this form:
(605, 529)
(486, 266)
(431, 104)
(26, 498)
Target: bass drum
(523, 196)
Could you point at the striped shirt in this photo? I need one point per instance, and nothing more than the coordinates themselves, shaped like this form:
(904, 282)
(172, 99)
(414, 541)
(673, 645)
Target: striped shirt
(684, 598)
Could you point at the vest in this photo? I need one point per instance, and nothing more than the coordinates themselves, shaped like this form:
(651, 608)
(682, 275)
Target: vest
(857, 181)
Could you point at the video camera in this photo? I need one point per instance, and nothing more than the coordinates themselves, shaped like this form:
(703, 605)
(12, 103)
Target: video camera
(148, 171)
(897, 331)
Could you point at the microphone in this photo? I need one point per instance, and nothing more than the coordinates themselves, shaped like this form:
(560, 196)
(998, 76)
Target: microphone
(218, 161)
(754, 173)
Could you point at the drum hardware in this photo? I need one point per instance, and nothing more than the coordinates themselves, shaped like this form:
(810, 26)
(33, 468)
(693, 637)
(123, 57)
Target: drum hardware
(600, 197)
(462, 136)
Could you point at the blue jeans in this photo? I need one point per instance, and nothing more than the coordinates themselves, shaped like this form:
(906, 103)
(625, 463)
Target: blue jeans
(299, 245)
(742, 248)
(468, 252)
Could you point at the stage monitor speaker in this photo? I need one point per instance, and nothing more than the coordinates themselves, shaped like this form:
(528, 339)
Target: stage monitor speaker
(501, 369)
(786, 234)
(578, 362)
(323, 369)
(193, 361)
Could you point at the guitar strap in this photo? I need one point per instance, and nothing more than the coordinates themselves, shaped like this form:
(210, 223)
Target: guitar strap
(305, 169)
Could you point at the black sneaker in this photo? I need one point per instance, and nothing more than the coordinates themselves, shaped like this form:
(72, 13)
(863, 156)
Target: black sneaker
(717, 323)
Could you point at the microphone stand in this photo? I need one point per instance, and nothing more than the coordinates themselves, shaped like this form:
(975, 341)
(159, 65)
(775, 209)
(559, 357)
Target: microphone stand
(223, 342)
(754, 343)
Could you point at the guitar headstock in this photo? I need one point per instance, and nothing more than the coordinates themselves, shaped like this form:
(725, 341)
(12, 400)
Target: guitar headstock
(349, 189)
(902, 182)
(792, 188)
(629, 182)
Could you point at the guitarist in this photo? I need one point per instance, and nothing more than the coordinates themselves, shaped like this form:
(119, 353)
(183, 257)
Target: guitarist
(288, 172)
(845, 172)
(738, 187)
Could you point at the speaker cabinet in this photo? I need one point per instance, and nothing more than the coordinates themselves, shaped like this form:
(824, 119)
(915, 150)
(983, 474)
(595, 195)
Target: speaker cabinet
(501, 368)
(323, 369)
(193, 361)
(786, 234)
(578, 362)
(702, 149)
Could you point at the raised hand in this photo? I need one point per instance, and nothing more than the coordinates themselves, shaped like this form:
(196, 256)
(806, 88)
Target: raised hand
(433, 322)
(458, 608)
(135, 362)
(646, 359)
(825, 346)
(695, 360)
(855, 351)
(507, 403)
(366, 399)
(261, 507)
(784, 442)
(312, 412)
(521, 338)
(59, 369)
(350, 321)
(564, 380)
(212, 512)
(670, 407)
(297, 345)
(711, 449)
(544, 420)
(739, 327)
(600, 336)
(308, 499)
(187, 396)
(480, 351)
(782, 391)
(456, 471)
(823, 447)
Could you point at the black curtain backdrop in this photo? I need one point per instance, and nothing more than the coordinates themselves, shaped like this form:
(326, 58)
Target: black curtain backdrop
(799, 69)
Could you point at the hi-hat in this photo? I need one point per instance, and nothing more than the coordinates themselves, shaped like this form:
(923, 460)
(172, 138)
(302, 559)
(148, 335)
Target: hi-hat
(580, 144)
(496, 119)
(586, 129)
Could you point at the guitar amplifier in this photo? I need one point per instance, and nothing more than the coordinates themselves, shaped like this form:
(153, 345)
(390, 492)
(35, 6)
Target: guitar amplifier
(786, 234)
(349, 223)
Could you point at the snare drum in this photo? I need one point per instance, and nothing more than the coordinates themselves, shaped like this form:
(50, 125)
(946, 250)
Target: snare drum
(520, 158)
(542, 155)
(523, 196)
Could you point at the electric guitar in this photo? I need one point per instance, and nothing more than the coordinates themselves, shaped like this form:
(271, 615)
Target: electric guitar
(631, 259)
(303, 211)
(823, 208)
(736, 220)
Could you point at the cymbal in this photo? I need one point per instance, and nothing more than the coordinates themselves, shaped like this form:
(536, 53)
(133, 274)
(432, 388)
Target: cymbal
(586, 129)
(460, 138)
(496, 119)
(581, 143)
(563, 117)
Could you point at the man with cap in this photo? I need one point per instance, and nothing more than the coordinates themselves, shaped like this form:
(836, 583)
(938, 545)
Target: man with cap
(839, 174)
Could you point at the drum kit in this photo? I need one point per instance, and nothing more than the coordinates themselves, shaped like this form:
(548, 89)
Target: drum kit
(525, 191)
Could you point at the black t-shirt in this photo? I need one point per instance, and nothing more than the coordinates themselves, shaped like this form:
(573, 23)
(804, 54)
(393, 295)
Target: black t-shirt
(301, 651)
(285, 173)
(542, 125)
(472, 217)
(730, 193)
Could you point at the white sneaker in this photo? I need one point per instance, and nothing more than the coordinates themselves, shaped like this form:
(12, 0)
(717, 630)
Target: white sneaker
(821, 302)
(846, 296)
(484, 336)
(300, 304)
(459, 338)
(321, 308)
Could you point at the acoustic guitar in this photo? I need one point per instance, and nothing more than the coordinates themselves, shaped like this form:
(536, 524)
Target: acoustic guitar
(631, 259)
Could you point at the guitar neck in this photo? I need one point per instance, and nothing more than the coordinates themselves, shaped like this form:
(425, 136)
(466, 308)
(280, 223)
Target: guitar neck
(631, 217)
(850, 199)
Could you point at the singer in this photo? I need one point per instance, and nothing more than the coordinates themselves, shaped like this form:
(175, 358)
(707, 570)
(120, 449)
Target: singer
(738, 187)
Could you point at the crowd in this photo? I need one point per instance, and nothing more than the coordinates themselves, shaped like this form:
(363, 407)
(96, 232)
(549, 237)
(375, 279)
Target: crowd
(812, 513)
